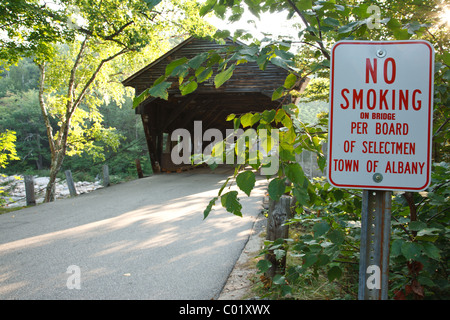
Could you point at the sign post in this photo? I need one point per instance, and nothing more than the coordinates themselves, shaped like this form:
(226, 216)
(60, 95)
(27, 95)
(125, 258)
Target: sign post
(380, 131)
(374, 249)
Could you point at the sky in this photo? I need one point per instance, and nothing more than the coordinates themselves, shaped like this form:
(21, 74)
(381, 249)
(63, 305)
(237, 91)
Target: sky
(273, 23)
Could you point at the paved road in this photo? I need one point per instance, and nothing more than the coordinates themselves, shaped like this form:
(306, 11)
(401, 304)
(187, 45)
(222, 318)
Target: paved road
(145, 239)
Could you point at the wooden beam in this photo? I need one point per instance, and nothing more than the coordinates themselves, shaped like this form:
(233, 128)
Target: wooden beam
(150, 140)
(178, 110)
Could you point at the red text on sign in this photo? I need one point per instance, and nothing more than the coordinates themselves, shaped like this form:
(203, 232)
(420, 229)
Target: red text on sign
(346, 165)
(391, 128)
(358, 128)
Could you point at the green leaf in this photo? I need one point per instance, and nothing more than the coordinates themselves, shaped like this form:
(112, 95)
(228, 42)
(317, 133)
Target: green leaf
(203, 74)
(209, 207)
(287, 152)
(431, 250)
(401, 34)
(268, 116)
(231, 117)
(320, 229)
(236, 123)
(262, 61)
(222, 77)
(309, 260)
(411, 250)
(417, 225)
(276, 188)
(321, 162)
(286, 289)
(160, 90)
(207, 7)
(197, 61)
(246, 120)
(263, 265)
(304, 5)
(393, 24)
(295, 173)
(324, 259)
(428, 234)
(278, 93)
(279, 253)
(446, 58)
(348, 27)
(173, 65)
(255, 118)
(336, 236)
(279, 279)
(246, 181)
(331, 22)
(301, 194)
(424, 280)
(222, 34)
(140, 98)
(280, 62)
(188, 87)
(290, 81)
(230, 202)
(396, 247)
(334, 273)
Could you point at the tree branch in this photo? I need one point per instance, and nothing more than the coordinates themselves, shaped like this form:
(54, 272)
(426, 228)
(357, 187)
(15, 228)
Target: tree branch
(119, 31)
(71, 87)
(94, 75)
(320, 43)
(44, 108)
(409, 196)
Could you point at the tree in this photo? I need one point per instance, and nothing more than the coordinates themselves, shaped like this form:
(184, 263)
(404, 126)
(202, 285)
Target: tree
(333, 243)
(73, 44)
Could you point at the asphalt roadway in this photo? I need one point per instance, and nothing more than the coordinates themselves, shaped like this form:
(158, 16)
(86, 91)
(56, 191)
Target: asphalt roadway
(144, 239)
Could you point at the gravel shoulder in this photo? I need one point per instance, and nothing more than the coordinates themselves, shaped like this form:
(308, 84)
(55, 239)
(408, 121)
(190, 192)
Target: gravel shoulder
(239, 283)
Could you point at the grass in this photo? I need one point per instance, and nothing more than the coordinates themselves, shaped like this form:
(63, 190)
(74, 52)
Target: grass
(7, 210)
(311, 285)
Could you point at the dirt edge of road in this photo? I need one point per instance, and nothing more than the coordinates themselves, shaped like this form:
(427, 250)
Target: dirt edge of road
(239, 282)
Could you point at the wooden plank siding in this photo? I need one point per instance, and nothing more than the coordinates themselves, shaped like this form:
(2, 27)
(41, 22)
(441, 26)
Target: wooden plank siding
(249, 89)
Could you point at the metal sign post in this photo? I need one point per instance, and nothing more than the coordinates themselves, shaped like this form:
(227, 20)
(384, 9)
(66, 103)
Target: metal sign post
(374, 249)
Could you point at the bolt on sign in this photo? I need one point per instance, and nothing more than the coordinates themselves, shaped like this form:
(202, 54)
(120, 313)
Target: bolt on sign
(381, 115)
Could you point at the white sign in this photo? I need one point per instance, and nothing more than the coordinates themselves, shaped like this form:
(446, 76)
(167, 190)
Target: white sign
(381, 115)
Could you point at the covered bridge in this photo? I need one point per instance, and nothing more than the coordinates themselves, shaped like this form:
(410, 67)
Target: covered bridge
(249, 90)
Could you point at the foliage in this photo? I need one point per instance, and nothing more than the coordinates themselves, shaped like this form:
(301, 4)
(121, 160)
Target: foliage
(331, 216)
(19, 111)
(7, 153)
(7, 148)
(317, 89)
(77, 45)
(22, 77)
(420, 240)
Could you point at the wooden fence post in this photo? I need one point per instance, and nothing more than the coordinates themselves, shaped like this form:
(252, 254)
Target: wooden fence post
(279, 213)
(70, 184)
(29, 190)
(106, 175)
(139, 169)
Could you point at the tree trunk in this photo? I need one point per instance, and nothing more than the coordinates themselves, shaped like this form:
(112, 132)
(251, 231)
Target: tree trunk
(50, 189)
(55, 167)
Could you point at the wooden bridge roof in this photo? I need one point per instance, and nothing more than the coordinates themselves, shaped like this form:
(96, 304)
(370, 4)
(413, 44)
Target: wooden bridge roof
(249, 89)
